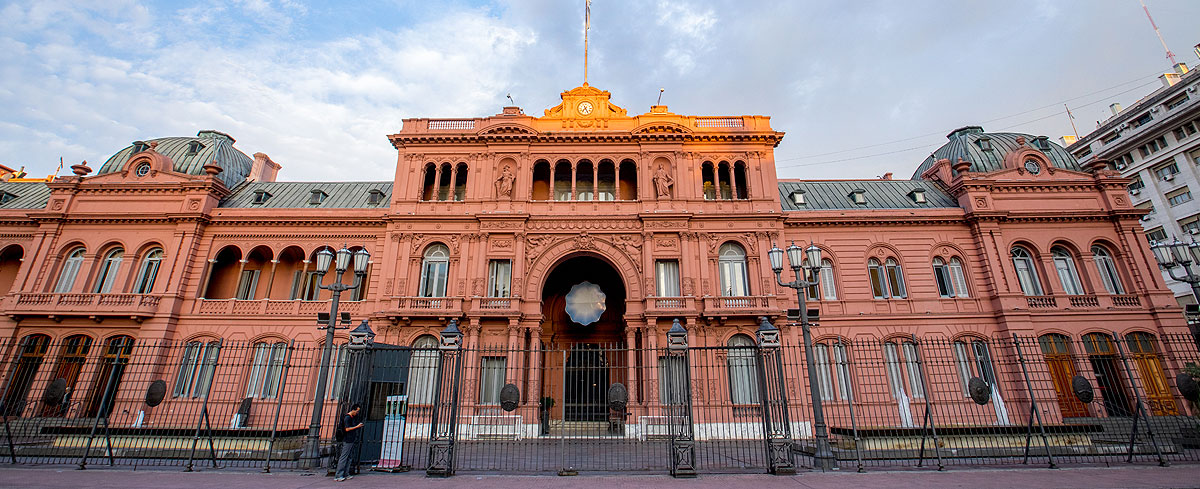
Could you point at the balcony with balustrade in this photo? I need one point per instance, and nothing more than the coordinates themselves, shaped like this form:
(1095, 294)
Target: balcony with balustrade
(405, 309)
(138, 307)
(494, 306)
(271, 307)
(746, 305)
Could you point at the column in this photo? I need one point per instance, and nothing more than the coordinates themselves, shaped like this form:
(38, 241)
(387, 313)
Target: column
(631, 363)
(212, 263)
(534, 391)
(271, 281)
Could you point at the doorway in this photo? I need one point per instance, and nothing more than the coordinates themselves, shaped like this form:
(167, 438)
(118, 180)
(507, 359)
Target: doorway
(586, 384)
(1102, 354)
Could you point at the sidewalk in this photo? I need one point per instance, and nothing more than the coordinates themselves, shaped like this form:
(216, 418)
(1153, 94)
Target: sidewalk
(1138, 476)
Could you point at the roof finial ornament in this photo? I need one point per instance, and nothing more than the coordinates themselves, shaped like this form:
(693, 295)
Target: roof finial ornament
(213, 169)
(153, 144)
(1020, 140)
(81, 169)
(962, 165)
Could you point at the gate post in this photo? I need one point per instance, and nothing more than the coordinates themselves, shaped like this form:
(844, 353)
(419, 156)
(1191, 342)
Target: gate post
(679, 404)
(441, 439)
(777, 428)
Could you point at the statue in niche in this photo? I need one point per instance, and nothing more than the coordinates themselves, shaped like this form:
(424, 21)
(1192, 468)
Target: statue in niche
(504, 184)
(663, 182)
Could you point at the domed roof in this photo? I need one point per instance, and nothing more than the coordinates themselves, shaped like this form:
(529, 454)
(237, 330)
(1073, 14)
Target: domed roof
(190, 155)
(986, 150)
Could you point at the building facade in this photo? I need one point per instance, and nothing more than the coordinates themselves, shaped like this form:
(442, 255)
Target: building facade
(1154, 143)
(495, 221)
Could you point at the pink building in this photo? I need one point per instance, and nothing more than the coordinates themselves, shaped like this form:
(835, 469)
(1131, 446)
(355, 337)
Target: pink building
(493, 220)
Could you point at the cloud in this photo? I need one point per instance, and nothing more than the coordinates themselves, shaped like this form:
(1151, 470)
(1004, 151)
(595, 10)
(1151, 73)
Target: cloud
(321, 109)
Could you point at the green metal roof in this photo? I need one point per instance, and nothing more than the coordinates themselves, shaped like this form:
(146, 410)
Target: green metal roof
(27, 195)
(213, 146)
(293, 195)
(879, 194)
(966, 142)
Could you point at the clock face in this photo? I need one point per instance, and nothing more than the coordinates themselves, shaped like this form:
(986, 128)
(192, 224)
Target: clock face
(1033, 167)
(585, 107)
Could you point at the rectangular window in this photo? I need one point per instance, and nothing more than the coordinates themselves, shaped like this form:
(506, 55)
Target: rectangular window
(1110, 137)
(1185, 130)
(499, 278)
(672, 372)
(1154, 146)
(915, 383)
(733, 278)
(1137, 184)
(1195, 156)
(196, 369)
(824, 380)
(266, 369)
(491, 379)
(1179, 196)
(1123, 161)
(247, 285)
(666, 277)
(878, 289)
(1167, 172)
(1176, 102)
(845, 388)
(941, 275)
(1191, 224)
(1156, 235)
(896, 280)
(187, 369)
(1141, 120)
(337, 380)
(312, 289)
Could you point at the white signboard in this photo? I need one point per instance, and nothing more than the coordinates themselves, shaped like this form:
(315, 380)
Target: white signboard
(393, 431)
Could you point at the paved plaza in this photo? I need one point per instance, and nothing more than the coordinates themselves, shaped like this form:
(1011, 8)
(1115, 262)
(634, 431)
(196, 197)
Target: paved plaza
(1133, 476)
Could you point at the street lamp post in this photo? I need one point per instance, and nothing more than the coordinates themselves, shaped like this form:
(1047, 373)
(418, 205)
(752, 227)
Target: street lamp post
(823, 457)
(324, 257)
(1178, 253)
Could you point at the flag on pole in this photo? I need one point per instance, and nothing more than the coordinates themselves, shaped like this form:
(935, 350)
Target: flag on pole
(60, 165)
(587, 15)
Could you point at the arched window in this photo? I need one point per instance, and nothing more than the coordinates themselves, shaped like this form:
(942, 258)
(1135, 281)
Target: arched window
(108, 270)
(833, 369)
(1108, 270)
(724, 181)
(444, 182)
(1027, 275)
(740, 190)
(429, 183)
(10, 263)
(904, 377)
(434, 270)
(743, 370)
(975, 359)
(887, 280)
(422, 371)
(826, 284)
(540, 188)
(710, 181)
(584, 181)
(628, 180)
(732, 268)
(460, 182)
(562, 180)
(606, 181)
(71, 357)
(70, 270)
(107, 381)
(266, 369)
(1064, 265)
(32, 350)
(148, 272)
(950, 279)
(196, 367)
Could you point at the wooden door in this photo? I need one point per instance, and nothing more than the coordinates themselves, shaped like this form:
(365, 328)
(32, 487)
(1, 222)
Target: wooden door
(1154, 381)
(1057, 351)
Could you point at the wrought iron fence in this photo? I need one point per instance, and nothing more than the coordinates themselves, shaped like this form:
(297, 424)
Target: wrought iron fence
(901, 401)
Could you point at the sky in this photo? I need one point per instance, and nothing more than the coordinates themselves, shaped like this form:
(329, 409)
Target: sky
(861, 88)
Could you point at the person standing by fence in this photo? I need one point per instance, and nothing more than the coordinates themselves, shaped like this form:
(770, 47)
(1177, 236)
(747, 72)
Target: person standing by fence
(349, 438)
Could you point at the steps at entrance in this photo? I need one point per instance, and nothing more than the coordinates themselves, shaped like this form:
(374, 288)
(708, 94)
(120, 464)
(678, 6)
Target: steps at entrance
(583, 428)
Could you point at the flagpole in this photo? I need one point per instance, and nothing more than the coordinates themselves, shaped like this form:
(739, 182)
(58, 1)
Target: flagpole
(587, 24)
(1072, 119)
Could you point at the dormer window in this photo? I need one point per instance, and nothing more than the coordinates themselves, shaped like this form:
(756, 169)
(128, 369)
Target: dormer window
(984, 143)
(858, 196)
(1042, 143)
(261, 196)
(317, 196)
(139, 146)
(6, 197)
(374, 197)
(917, 196)
(798, 198)
(194, 147)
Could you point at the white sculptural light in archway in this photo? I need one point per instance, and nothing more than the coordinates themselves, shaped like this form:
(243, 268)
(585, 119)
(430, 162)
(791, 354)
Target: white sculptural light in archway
(585, 303)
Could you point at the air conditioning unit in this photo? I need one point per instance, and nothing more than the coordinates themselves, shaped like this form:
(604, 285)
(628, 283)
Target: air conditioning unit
(1135, 191)
(1120, 166)
(1169, 177)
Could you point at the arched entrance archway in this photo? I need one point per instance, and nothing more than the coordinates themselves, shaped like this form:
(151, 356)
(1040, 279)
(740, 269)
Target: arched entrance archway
(582, 359)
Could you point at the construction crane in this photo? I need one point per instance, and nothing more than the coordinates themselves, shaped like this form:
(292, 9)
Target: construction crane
(1170, 55)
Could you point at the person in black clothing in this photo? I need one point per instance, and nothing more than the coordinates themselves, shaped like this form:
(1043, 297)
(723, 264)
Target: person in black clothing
(349, 442)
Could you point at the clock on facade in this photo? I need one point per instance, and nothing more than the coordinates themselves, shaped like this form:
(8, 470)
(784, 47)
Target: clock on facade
(1033, 167)
(585, 107)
